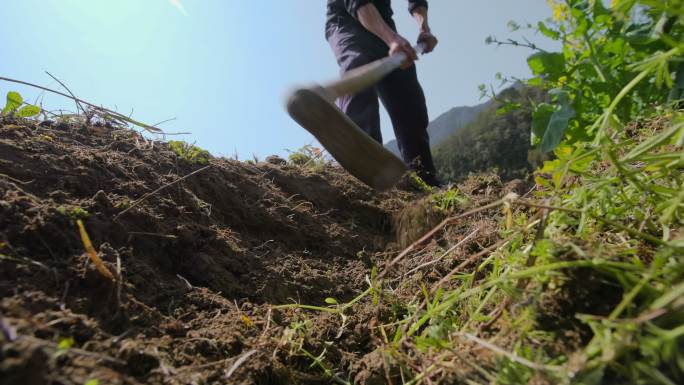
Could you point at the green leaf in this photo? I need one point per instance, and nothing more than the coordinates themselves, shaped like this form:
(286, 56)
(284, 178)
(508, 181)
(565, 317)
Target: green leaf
(541, 117)
(14, 101)
(92, 381)
(600, 9)
(549, 64)
(64, 345)
(331, 301)
(556, 129)
(548, 32)
(535, 82)
(28, 111)
(508, 107)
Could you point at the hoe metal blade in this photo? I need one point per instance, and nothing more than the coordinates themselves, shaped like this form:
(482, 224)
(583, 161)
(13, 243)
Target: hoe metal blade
(353, 149)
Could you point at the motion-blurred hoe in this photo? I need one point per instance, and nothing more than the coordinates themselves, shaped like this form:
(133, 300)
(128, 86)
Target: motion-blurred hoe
(314, 109)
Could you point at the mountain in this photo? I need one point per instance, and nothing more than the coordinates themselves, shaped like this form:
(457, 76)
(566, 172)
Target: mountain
(495, 141)
(446, 124)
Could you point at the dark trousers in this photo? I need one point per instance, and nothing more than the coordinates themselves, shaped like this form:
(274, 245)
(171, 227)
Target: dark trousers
(400, 93)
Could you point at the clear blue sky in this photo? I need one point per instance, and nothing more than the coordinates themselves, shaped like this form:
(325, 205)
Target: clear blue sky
(222, 67)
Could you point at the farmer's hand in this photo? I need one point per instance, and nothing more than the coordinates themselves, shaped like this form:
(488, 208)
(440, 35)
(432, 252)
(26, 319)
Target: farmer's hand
(399, 44)
(428, 40)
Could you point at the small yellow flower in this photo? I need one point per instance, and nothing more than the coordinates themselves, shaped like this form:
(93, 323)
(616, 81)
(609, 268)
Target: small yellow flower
(559, 10)
(246, 320)
(562, 80)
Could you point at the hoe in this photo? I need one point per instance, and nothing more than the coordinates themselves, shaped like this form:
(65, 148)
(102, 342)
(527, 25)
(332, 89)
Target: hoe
(314, 109)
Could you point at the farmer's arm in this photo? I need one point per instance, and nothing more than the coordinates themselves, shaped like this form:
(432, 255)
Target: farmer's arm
(419, 10)
(371, 19)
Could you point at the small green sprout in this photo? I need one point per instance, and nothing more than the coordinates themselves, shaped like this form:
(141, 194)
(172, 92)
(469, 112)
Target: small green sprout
(189, 152)
(309, 156)
(74, 213)
(13, 107)
(64, 345)
(449, 200)
(419, 183)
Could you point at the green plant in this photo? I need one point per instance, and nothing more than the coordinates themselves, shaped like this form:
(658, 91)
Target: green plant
(308, 156)
(64, 345)
(450, 200)
(124, 204)
(497, 139)
(13, 107)
(189, 152)
(74, 213)
(634, 48)
(603, 231)
(418, 182)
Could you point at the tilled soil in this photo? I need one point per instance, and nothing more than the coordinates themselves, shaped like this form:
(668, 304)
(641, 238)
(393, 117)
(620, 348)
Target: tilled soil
(202, 255)
(200, 262)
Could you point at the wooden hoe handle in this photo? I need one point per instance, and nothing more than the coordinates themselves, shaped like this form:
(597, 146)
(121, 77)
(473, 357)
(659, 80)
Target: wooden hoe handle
(368, 75)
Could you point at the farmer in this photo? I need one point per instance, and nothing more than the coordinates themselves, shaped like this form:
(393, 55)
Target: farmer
(362, 31)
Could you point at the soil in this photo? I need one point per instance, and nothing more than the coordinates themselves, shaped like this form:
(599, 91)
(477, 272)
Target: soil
(200, 263)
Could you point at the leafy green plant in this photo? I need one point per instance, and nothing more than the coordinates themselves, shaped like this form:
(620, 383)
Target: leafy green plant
(418, 182)
(450, 200)
(74, 213)
(13, 107)
(308, 156)
(189, 152)
(634, 48)
(605, 224)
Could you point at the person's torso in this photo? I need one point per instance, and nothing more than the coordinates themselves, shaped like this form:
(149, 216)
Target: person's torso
(337, 15)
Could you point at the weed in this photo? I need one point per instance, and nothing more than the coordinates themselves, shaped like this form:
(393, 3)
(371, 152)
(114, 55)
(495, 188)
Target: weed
(64, 345)
(190, 153)
(299, 158)
(419, 183)
(450, 200)
(124, 204)
(74, 213)
(611, 203)
(13, 107)
(308, 156)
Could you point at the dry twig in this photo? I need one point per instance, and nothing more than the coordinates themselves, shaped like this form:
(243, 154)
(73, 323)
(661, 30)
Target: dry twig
(90, 250)
(76, 351)
(239, 362)
(434, 231)
(113, 113)
(78, 104)
(451, 249)
(146, 196)
(511, 356)
(468, 261)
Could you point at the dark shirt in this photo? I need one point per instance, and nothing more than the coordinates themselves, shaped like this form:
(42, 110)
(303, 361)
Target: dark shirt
(342, 13)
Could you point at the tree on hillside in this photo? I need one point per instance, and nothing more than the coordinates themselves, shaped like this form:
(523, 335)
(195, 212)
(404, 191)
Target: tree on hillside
(497, 140)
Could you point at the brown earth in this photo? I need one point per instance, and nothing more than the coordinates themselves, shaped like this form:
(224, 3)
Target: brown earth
(200, 263)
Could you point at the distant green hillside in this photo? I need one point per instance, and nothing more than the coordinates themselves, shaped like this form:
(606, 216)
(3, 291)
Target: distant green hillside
(492, 141)
(446, 124)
